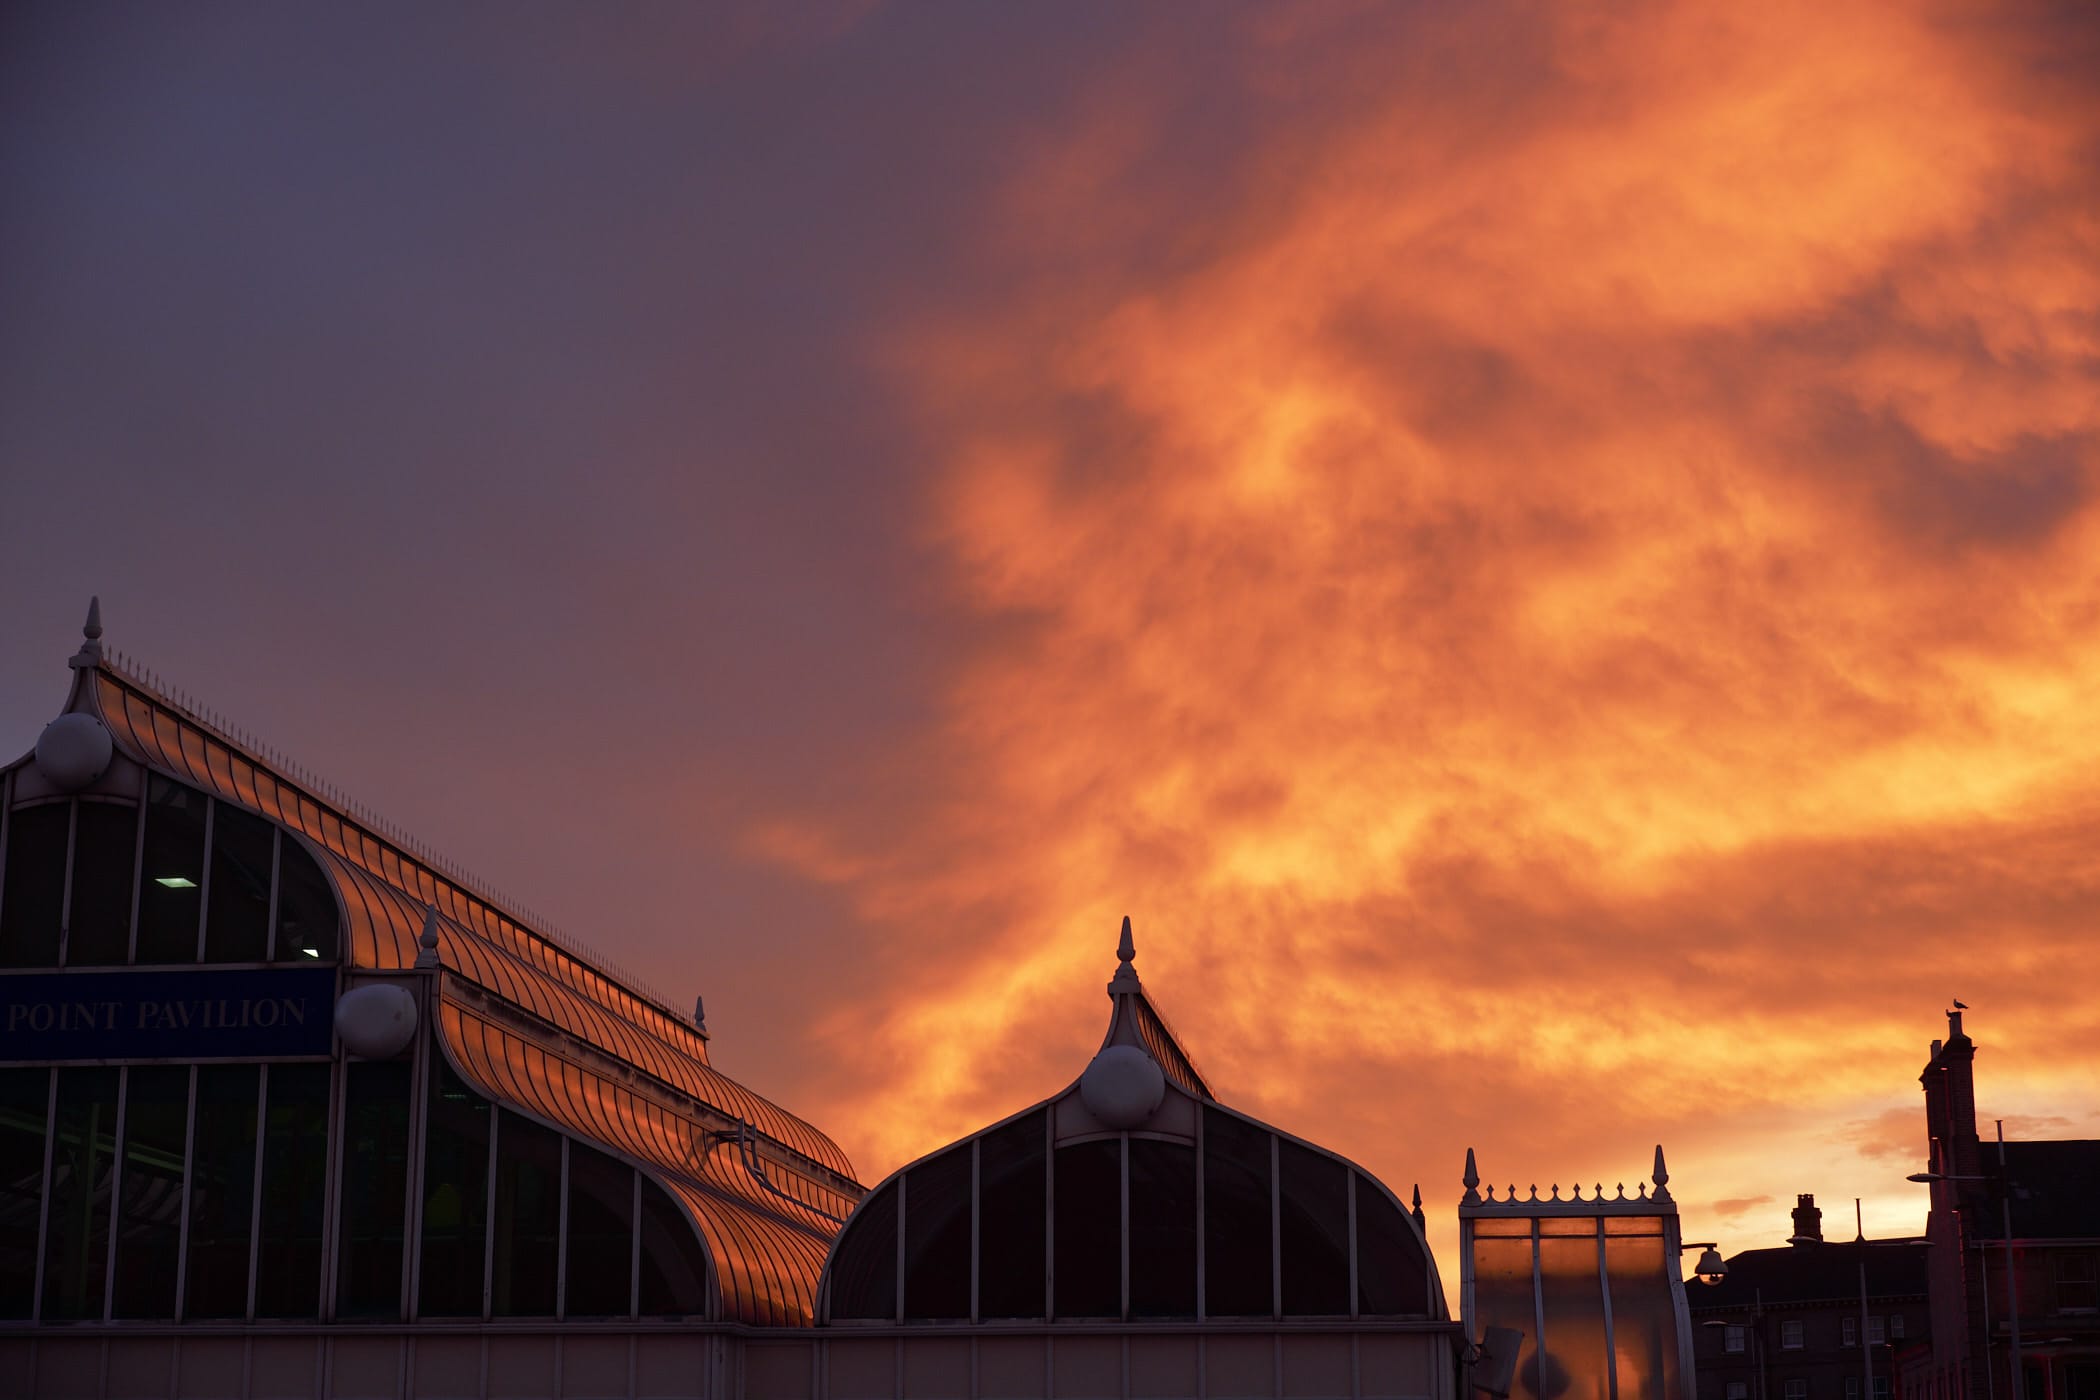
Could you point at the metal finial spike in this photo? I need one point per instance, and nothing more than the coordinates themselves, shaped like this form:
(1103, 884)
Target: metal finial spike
(1419, 1221)
(1556, 1191)
(93, 629)
(1662, 1176)
(1472, 1176)
(1600, 1191)
(1491, 1193)
(1126, 947)
(1534, 1190)
(1622, 1190)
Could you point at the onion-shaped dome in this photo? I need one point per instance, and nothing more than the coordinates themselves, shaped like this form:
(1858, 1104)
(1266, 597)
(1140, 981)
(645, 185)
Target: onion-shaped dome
(1131, 1195)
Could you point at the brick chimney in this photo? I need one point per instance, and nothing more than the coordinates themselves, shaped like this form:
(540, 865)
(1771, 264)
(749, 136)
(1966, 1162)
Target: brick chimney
(1808, 1220)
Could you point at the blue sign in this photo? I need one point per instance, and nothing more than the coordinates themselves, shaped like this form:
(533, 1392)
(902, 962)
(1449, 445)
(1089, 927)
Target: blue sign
(171, 1014)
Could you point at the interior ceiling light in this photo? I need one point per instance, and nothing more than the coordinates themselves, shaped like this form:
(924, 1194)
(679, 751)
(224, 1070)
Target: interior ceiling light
(175, 882)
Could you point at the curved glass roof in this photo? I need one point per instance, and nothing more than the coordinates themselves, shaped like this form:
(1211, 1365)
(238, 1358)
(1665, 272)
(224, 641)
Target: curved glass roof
(1131, 1195)
(535, 1025)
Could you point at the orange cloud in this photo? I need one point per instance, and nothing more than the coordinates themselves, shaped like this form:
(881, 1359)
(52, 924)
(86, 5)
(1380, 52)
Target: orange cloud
(1560, 595)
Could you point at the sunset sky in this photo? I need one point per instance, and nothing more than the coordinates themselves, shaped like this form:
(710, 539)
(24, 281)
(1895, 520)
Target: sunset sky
(1546, 554)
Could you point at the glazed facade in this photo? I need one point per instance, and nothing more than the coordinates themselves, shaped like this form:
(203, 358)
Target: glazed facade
(288, 1110)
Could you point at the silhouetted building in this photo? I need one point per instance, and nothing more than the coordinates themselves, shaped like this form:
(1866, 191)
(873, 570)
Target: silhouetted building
(2015, 1257)
(289, 1108)
(1813, 1320)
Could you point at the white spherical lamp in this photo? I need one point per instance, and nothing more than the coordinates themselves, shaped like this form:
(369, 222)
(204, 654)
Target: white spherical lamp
(73, 751)
(1122, 1087)
(376, 1021)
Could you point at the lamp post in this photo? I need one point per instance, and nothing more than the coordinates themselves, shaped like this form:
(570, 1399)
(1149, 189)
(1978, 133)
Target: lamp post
(2012, 1273)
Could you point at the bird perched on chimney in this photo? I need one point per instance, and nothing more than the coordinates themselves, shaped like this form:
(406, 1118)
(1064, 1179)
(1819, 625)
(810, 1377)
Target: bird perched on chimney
(1960, 1005)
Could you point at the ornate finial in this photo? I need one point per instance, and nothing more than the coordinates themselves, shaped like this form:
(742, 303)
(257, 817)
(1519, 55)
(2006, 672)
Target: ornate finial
(1418, 1205)
(1662, 1176)
(1534, 1190)
(1126, 978)
(1471, 1180)
(1622, 1191)
(427, 945)
(700, 1016)
(1555, 1191)
(1491, 1193)
(90, 653)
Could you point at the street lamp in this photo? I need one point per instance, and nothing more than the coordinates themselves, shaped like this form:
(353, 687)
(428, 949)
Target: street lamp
(1711, 1268)
(2012, 1274)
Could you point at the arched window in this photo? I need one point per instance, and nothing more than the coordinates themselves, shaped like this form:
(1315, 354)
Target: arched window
(1142, 1225)
(98, 881)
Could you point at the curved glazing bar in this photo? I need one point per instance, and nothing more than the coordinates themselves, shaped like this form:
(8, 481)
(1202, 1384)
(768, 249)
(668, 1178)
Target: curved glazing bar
(767, 1252)
(384, 890)
(1223, 1218)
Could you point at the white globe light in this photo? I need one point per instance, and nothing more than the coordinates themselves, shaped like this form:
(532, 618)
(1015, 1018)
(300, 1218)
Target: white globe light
(377, 1020)
(73, 751)
(1122, 1087)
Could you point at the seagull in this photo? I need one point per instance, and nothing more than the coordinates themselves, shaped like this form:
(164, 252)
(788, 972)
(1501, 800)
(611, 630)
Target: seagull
(1960, 1005)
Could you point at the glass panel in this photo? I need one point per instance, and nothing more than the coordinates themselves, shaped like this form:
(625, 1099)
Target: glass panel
(375, 1188)
(149, 1201)
(307, 922)
(76, 1252)
(1010, 1222)
(222, 1192)
(1643, 1319)
(937, 1236)
(1314, 1197)
(98, 927)
(864, 1273)
(1503, 1297)
(24, 1102)
(674, 1265)
(1575, 1367)
(455, 1197)
(172, 876)
(528, 1218)
(601, 1235)
(34, 900)
(294, 1187)
(1392, 1276)
(1088, 1271)
(1236, 1240)
(1162, 1228)
(237, 926)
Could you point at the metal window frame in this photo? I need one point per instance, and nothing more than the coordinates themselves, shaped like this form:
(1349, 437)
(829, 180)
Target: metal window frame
(276, 861)
(211, 826)
(1275, 1227)
(182, 1225)
(976, 1244)
(634, 1266)
(488, 1220)
(561, 1238)
(65, 895)
(1202, 1221)
(255, 1186)
(1611, 1348)
(138, 870)
(43, 1215)
(116, 1191)
(1123, 1215)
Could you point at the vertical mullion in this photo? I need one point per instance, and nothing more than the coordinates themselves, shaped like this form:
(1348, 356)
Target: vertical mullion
(43, 1213)
(561, 1239)
(1202, 1216)
(1538, 1302)
(418, 1141)
(182, 1228)
(634, 1266)
(7, 788)
(331, 1200)
(255, 1203)
(138, 869)
(1049, 1220)
(1611, 1353)
(211, 821)
(1275, 1228)
(116, 1193)
(1354, 1310)
(276, 862)
(1123, 1215)
(976, 1185)
(488, 1221)
(65, 894)
(903, 1205)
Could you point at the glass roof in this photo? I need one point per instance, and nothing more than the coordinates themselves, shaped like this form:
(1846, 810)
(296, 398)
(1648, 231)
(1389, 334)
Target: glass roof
(540, 1027)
